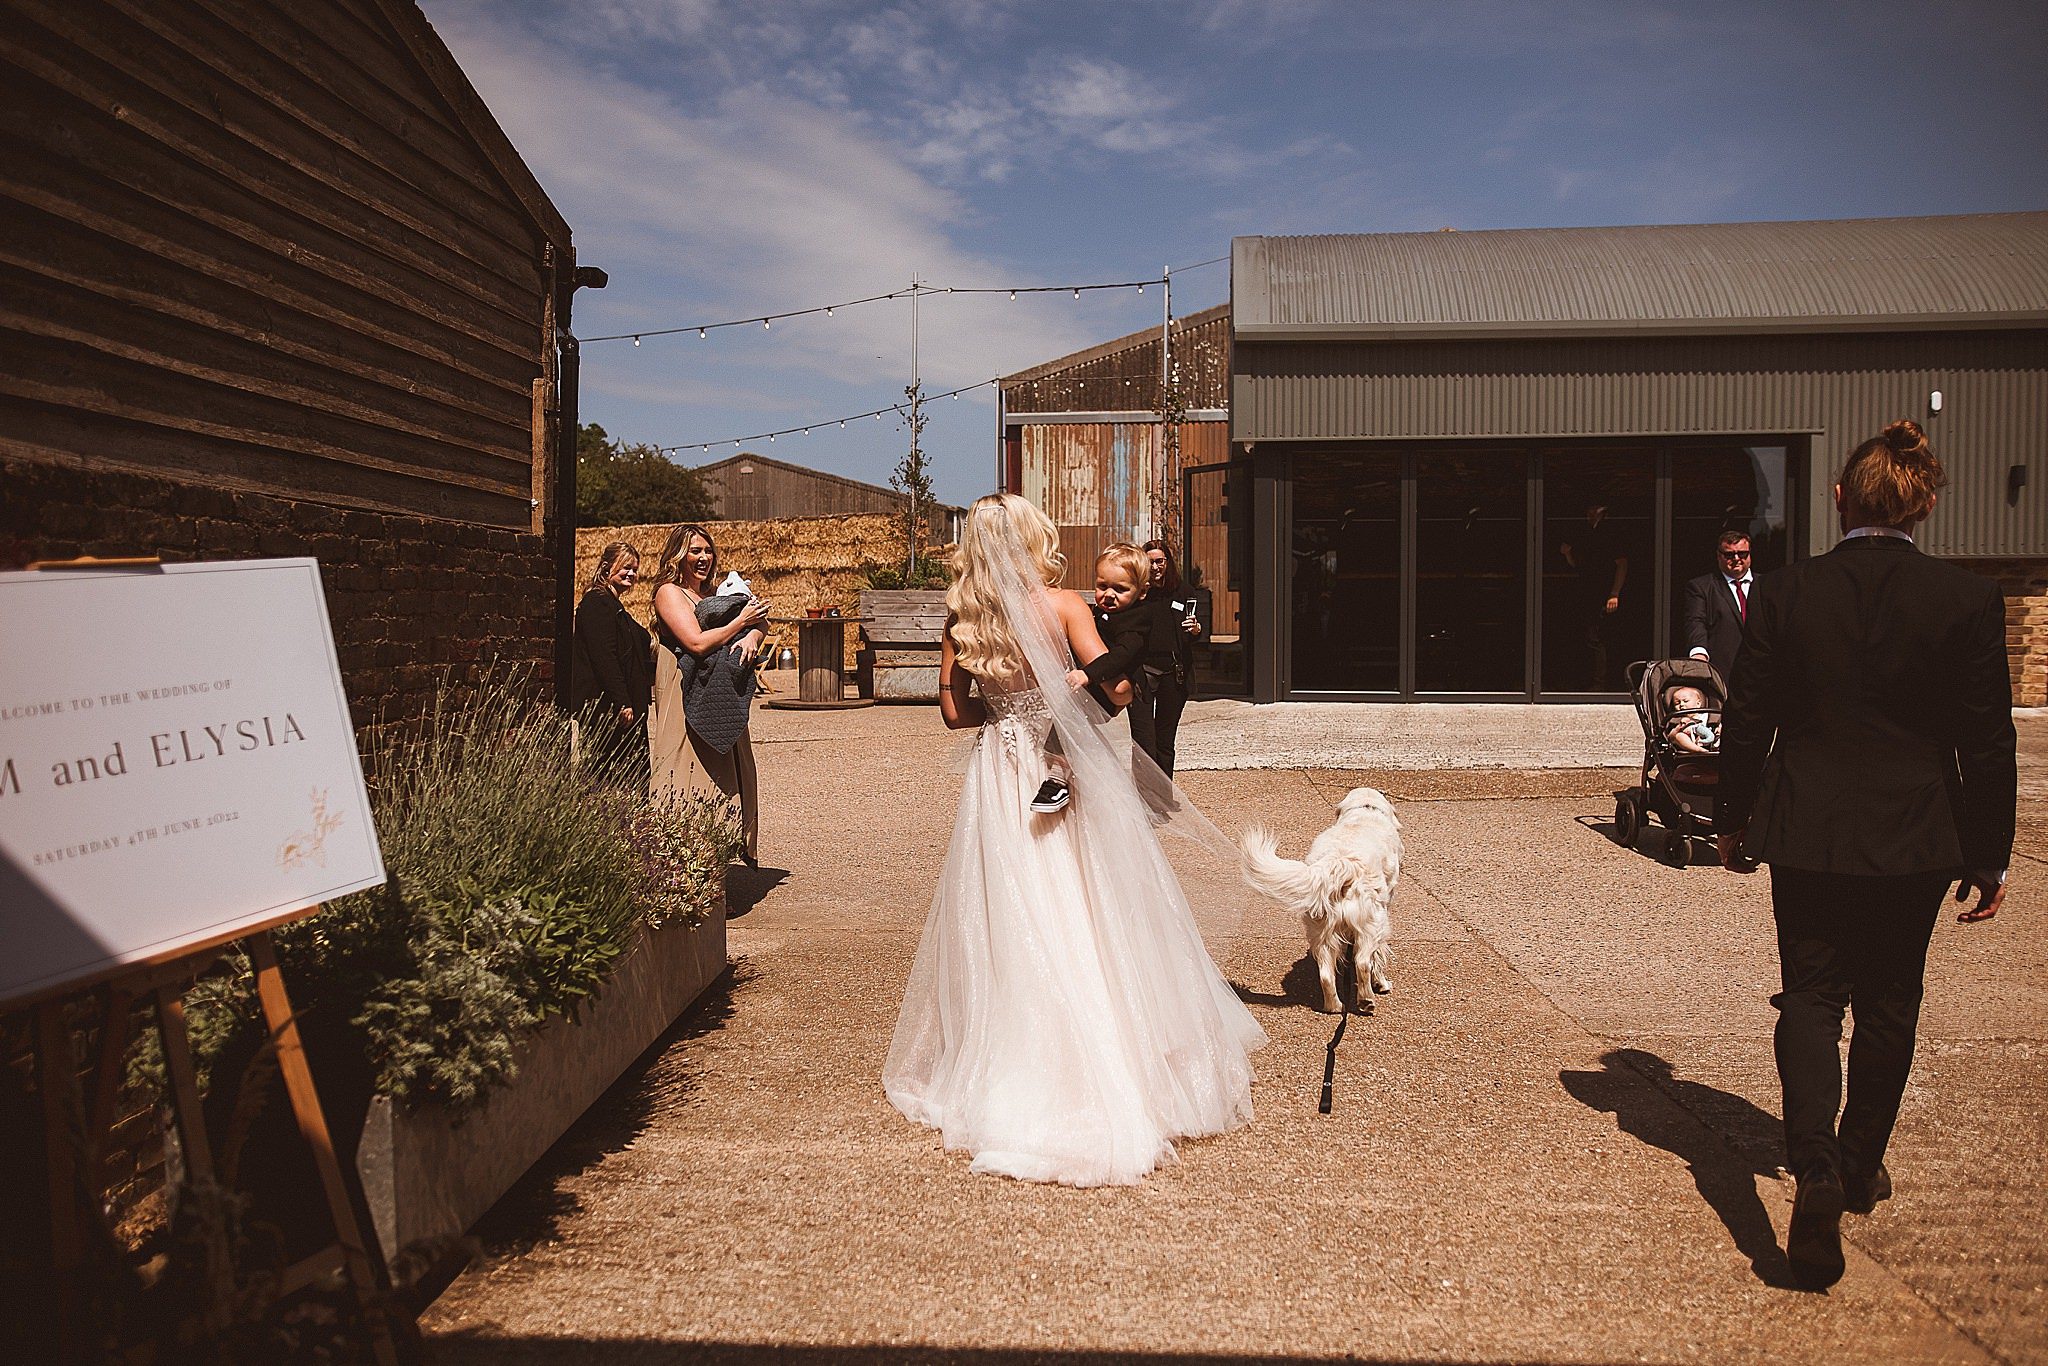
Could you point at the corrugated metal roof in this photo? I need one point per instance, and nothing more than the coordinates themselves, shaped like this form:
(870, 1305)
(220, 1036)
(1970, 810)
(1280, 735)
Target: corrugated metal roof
(1870, 274)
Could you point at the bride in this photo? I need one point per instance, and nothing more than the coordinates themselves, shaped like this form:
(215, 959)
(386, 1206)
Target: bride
(1063, 1021)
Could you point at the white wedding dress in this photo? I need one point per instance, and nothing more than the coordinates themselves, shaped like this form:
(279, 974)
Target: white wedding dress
(1063, 1020)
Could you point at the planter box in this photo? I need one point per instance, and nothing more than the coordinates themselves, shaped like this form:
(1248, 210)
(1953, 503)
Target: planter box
(903, 628)
(425, 1175)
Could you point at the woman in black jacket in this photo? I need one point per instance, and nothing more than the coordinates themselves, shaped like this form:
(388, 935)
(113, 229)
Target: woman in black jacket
(1170, 657)
(611, 672)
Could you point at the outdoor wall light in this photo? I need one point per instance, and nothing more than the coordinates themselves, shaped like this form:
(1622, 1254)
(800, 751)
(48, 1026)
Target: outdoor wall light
(2015, 480)
(1934, 401)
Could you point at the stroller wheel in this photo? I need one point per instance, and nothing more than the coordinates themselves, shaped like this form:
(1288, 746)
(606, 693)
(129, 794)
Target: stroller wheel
(1677, 849)
(1628, 819)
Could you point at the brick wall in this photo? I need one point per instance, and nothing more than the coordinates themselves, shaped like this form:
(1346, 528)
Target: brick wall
(413, 599)
(2026, 623)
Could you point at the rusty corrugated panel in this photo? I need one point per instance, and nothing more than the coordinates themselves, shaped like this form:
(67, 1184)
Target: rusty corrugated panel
(1975, 270)
(1841, 388)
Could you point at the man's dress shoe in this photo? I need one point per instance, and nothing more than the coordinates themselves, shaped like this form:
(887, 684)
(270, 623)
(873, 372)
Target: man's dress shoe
(1860, 1194)
(1814, 1245)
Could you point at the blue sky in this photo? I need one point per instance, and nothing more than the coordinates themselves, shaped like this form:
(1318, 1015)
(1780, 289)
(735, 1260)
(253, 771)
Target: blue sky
(728, 159)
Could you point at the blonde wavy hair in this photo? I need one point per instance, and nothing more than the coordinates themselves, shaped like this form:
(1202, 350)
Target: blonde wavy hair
(997, 526)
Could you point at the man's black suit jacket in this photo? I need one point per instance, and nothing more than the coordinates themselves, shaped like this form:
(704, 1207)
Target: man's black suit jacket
(1869, 724)
(1712, 621)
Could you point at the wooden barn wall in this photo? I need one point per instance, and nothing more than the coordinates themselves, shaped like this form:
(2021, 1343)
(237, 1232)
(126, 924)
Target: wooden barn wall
(1126, 379)
(772, 493)
(246, 242)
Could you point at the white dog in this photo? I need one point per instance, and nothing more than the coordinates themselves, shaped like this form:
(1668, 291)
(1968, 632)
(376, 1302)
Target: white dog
(1341, 889)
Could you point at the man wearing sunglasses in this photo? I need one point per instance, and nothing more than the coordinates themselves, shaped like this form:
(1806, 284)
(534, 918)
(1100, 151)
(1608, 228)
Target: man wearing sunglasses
(1716, 603)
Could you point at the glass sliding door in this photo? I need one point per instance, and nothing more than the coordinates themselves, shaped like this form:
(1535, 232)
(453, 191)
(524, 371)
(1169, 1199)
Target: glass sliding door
(1215, 567)
(1598, 557)
(1471, 571)
(1345, 596)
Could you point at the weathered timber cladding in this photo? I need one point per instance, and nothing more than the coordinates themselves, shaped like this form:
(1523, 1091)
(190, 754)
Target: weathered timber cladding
(1123, 375)
(1841, 388)
(754, 488)
(415, 602)
(259, 245)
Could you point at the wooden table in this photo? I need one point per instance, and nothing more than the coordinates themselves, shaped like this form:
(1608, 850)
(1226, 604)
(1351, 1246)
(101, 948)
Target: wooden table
(821, 666)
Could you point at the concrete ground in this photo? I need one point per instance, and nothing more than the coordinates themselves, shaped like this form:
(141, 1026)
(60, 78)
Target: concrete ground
(1556, 1141)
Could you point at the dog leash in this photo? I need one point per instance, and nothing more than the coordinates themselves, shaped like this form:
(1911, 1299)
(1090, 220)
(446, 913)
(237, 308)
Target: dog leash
(1330, 1061)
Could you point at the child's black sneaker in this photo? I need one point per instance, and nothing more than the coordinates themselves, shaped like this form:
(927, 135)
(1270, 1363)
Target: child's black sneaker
(1052, 796)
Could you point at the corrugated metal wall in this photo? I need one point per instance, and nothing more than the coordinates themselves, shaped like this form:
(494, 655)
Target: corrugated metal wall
(1842, 388)
(252, 245)
(1097, 480)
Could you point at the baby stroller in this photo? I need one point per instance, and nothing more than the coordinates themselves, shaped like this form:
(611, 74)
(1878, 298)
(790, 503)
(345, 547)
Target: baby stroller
(1676, 786)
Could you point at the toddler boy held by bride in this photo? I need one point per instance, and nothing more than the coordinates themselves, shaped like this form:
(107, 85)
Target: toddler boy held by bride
(1122, 577)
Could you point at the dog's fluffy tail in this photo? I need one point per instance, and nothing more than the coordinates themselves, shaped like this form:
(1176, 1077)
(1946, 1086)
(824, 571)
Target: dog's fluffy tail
(1283, 879)
(1313, 889)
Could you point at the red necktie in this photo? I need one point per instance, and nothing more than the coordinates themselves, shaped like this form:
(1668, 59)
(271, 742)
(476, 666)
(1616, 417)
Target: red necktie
(1741, 601)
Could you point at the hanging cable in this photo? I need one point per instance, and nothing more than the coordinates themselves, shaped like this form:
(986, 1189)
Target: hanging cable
(804, 428)
(765, 319)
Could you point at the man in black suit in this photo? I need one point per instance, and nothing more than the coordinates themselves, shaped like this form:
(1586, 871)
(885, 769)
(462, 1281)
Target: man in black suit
(1716, 603)
(1869, 757)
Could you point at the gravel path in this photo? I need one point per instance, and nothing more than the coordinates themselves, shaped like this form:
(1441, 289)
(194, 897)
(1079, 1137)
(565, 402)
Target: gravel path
(1554, 1142)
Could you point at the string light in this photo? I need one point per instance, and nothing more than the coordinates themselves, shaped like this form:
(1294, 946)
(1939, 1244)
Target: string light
(877, 414)
(918, 288)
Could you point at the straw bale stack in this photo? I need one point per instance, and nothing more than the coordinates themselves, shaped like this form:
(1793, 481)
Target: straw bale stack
(794, 563)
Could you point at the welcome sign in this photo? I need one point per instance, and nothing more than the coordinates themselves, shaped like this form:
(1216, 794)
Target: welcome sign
(177, 765)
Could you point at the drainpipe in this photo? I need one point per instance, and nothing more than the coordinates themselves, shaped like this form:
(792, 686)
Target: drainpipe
(568, 375)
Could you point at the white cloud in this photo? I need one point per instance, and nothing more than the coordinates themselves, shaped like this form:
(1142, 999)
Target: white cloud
(754, 202)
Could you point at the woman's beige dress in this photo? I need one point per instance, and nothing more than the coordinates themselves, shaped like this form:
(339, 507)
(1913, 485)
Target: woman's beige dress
(683, 763)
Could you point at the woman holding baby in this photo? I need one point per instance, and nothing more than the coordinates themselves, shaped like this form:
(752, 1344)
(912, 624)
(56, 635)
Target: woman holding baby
(705, 648)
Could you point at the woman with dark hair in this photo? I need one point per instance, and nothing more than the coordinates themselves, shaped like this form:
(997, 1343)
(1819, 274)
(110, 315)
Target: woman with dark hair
(1170, 659)
(1868, 755)
(704, 681)
(611, 674)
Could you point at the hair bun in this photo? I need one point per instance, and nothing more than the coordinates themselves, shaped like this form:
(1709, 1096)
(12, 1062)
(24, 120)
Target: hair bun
(1906, 439)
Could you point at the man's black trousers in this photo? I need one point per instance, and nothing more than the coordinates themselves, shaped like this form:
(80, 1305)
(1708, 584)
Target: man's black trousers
(1860, 944)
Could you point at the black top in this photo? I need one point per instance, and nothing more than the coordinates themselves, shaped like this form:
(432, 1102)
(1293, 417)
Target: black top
(1869, 721)
(1170, 644)
(611, 661)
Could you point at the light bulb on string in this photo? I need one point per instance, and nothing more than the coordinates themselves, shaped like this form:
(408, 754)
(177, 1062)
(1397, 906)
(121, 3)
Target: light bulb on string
(764, 324)
(1077, 293)
(636, 341)
(828, 312)
(1141, 289)
(1013, 294)
(771, 436)
(701, 332)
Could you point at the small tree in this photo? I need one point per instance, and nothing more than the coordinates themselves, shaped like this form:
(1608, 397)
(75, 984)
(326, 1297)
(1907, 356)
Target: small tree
(634, 484)
(913, 480)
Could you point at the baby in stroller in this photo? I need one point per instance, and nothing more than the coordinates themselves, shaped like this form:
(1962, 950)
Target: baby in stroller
(1692, 719)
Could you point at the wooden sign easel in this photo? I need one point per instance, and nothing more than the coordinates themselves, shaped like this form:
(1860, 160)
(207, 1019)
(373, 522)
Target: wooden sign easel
(75, 1126)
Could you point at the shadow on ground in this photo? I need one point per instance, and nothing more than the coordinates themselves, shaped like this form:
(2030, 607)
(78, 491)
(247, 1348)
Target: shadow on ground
(476, 1351)
(1298, 988)
(531, 1213)
(744, 887)
(1725, 1140)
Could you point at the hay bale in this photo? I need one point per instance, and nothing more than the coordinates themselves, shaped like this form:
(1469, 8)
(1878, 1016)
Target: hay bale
(794, 563)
